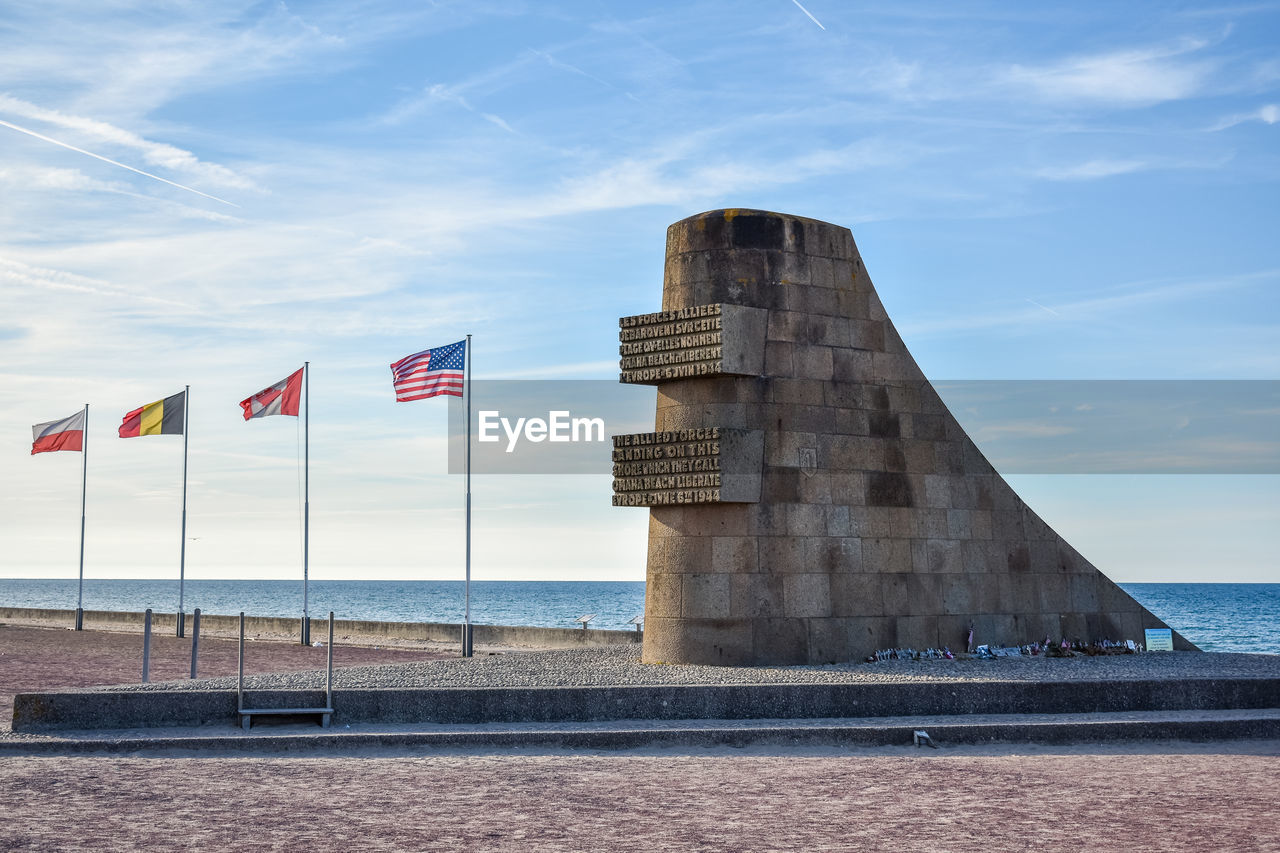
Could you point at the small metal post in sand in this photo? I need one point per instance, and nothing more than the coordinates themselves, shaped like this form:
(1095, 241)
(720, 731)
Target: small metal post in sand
(240, 669)
(84, 483)
(328, 681)
(195, 640)
(146, 646)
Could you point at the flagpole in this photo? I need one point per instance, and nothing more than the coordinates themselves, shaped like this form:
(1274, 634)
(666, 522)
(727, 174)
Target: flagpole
(306, 499)
(182, 551)
(466, 630)
(84, 482)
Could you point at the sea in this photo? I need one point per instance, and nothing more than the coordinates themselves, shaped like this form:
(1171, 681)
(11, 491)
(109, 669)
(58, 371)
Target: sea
(1220, 617)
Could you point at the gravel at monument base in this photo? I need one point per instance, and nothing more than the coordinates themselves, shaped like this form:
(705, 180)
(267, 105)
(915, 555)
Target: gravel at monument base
(44, 658)
(620, 665)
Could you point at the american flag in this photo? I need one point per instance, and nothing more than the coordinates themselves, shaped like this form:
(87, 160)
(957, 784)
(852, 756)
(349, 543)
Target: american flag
(429, 373)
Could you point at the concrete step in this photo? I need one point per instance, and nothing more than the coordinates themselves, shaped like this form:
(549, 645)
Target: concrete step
(1043, 729)
(117, 708)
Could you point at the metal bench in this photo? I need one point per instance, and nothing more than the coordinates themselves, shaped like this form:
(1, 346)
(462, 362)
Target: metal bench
(246, 715)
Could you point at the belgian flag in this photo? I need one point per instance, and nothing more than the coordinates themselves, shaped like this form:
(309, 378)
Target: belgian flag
(163, 417)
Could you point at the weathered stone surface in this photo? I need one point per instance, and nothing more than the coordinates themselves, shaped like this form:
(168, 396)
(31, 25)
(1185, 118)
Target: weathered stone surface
(811, 497)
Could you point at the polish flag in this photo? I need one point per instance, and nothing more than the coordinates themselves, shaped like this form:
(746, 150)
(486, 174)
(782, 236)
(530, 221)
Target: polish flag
(66, 434)
(283, 398)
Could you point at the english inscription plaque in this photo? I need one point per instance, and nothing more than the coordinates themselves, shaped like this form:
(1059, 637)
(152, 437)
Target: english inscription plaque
(688, 466)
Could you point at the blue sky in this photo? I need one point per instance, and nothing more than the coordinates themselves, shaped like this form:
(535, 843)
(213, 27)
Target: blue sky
(1040, 191)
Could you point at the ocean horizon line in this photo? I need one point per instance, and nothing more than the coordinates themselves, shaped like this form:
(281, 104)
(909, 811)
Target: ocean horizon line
(1216, 616)
(474, 580)
(313, 579)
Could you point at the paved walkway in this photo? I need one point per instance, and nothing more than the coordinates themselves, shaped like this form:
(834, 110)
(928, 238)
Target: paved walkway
(1169, 797)
(274, 736)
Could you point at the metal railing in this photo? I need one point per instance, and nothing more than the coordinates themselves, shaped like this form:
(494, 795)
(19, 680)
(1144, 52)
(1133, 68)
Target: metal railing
(246, 715)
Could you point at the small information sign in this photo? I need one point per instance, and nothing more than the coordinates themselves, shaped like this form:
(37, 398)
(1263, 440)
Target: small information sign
(1159, 640)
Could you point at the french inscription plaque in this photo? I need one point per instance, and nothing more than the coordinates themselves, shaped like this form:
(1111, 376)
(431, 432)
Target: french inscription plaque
(702, 340)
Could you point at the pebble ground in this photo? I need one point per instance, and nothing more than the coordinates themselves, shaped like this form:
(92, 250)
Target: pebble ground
(620, 665)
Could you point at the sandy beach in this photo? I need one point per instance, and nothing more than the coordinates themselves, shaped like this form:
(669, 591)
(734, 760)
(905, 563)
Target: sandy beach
(46, 658)
(1159, 798)
(1165, 796)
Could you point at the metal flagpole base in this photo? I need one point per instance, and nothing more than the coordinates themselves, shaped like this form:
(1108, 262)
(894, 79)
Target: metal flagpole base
(79, 619)
(306, 631)
(466, 640)
(182, 624)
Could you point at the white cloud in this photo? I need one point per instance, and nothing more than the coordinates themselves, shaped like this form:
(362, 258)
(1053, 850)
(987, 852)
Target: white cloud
(43, 278)
(1232, 10)
(52, 178)
(1267, 114)
(559, 371)
(497, 121)
(104, 159)
(689, 171)
(439, 93)
(1022, 429)
(1106, 305)
(1091, 170)
(158, 154)
(561, 65)
(1130, 77)
(126, 60)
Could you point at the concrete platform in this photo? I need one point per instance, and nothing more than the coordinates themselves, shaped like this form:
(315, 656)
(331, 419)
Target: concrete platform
(1039, 729)
(132, 709)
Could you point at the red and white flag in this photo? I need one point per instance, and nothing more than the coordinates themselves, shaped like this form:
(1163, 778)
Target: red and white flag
(283, 398)
(66, 434)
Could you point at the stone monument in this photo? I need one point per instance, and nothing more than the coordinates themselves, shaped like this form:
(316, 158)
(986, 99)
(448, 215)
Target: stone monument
(811, 499)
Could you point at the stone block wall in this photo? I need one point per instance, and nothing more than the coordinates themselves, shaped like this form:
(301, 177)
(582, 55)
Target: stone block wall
(878, 522)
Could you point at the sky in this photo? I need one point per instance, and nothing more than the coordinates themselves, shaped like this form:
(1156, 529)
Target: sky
(210, 194)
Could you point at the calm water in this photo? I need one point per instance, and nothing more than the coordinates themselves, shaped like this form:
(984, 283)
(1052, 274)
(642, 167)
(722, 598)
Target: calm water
(1217, 617)
(541, 603)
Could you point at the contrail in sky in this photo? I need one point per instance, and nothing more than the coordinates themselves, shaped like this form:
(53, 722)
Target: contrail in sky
(1045, 307)
(114, 162)
(810, 14)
